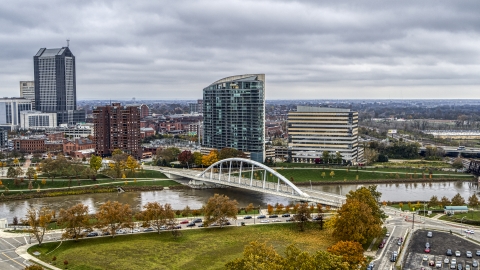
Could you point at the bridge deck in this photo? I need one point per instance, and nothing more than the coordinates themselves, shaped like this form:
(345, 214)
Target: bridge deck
(258, 186)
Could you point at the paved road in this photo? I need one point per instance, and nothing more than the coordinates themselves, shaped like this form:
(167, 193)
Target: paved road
(8, 258)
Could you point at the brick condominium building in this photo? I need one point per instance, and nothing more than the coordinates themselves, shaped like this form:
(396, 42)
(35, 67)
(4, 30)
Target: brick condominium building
(117, 127)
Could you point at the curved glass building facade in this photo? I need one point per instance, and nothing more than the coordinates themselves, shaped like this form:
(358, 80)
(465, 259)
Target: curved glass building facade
(234, 114)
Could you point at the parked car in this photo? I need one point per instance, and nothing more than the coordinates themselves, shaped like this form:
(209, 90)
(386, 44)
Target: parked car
(394, 257)
(469, 254)
(460, 266)
(286, 215)
(148, 229)
(198, 220)
(136, 230)
(467, 267)
(276, 220)
(458, 253)
(475, 263)
(289, 219)
(446, 261)
(387, 234)
(371, 266)
(247, 217)
(438, 264)
(427, 245)
(191, 224)
(382, 244)
(177, 227)
(92, 234)
(273, 216)
(184, 222)
(120, 231)
(449, 252)
(265, 221)
(262, 216)
(200, 225)
(427, 250)
(106, 233)
(425, 258)
(470, 231)
(429, 234)
(431, 263)
(317, 218)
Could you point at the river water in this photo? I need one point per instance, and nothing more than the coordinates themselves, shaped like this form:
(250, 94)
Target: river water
(196, 198)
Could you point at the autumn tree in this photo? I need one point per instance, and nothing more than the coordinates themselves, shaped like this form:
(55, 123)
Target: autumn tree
(113, 216)
(350, 251)
(218, 209)
(303, 216)
(74, 219)
(230, 153)
(12, 172)
(332, 174)
(186, 211)
(473, 201)
(169, 154)
(458, 200)
(360, 218)
(444, 201)
(370, 155)
(30, 173)
(186, 158)
(95, 163)
(433, 201)
(249, 208)
(197, 158)
(156, 215)
(258, 256)
(132, 164)
(118, 165)
(38, 220)
(211, 158)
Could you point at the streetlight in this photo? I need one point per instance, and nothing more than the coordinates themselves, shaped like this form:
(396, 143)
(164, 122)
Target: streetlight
(461, 224)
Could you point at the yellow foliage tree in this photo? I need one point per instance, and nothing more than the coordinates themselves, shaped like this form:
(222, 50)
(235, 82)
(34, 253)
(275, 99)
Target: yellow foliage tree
(351, 252)
(332, 174)
(211, 158)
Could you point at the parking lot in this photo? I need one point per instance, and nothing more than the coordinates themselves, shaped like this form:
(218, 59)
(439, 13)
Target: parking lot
(439, 243)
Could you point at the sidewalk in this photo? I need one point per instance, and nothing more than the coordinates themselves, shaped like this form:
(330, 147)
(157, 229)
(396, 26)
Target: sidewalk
(22, 252)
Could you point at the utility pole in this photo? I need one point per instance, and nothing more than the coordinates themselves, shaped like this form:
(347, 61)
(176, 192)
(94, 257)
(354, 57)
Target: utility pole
(413, 223)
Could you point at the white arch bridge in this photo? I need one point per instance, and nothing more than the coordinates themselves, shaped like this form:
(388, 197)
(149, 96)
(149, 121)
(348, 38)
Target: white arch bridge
(241, 173)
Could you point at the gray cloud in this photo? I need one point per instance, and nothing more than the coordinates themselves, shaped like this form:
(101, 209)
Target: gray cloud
(308, 49)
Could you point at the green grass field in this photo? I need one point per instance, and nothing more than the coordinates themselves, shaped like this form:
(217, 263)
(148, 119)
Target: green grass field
(101, 180)
(305, 175)
(196, 249)
(471, 215)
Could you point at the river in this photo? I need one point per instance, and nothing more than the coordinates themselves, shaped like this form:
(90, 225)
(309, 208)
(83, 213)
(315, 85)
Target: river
(196, 198)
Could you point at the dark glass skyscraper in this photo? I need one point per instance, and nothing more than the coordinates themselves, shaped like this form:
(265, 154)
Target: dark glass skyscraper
(234, 114)
(55, 84)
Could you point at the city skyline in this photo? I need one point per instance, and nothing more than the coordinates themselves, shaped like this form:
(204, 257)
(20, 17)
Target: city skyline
(309, 50)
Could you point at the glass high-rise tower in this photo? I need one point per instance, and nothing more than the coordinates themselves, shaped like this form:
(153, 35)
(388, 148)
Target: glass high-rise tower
(55, 84)
(234, 114)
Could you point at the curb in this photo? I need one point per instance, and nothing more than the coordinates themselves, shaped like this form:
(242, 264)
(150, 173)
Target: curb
(22, 252)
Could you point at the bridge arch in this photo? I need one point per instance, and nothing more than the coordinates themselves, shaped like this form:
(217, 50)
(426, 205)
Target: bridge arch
(209, 172)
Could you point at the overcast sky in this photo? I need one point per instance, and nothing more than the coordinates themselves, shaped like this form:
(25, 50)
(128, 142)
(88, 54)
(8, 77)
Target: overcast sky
(307, 49)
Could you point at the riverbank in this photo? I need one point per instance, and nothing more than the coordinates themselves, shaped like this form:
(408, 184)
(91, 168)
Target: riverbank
(131, 186)
(379, 181)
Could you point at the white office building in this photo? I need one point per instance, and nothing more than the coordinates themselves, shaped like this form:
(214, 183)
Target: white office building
(314, 130)
(10, 109)
(27, 90)
(37, 120)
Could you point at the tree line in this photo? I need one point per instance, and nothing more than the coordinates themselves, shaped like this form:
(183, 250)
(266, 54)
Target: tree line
(164, 156)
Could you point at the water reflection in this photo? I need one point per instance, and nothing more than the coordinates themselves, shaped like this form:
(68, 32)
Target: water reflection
(196, 198)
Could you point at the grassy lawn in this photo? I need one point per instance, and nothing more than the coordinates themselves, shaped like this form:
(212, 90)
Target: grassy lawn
(304, 175)
(196, 249)
(471, 215)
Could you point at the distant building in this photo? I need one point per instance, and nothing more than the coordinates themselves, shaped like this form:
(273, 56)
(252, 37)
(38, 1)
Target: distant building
(3, 138)
(146, 132)
(117, 127)
(313, 130)
(29, 145)
(196, 107)
(10, 109)
(234, 114)
(27, 90)
(72, 146)
(55, 85)
(37, 120)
